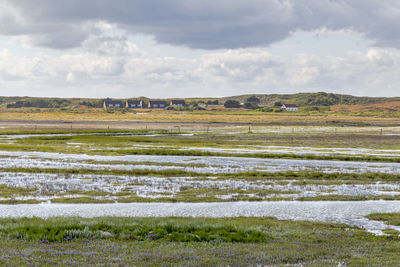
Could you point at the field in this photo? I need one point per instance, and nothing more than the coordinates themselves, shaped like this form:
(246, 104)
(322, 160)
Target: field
(198, 188)
(338, 116)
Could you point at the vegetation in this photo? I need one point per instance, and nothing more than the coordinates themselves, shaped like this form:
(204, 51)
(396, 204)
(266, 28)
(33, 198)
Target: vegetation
(196, 241)
(267, 109)
(348, 198)
(250, 105)
(200, 191)
(232, 104)
(139, 229)
(389, 218)
(313, 99)
(44, 145)
(253, 99)
(290, 136)
(212, 102)
(327, 116)
(40, 103)
(302, 99)
(136, 172)
(185, 241)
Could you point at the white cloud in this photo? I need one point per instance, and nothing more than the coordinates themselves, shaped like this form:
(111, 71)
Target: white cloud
(93, 54)
(107, 66)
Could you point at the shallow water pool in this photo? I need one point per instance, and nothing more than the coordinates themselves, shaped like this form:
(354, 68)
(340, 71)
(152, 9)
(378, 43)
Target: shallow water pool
(348, 212)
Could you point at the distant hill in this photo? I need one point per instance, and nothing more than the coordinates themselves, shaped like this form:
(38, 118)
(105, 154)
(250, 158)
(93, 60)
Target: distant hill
(301, 99)
(386, 106)
(45, 102)
(314, 99)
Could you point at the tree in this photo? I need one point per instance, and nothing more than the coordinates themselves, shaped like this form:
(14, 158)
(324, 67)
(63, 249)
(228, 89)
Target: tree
(250, 105)
(253, 99)
(211, 102)
(232, 104)
(278, 104)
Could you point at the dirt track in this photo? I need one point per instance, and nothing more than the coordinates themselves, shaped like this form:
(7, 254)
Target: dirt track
(118, 124)
(110, 124)
(155, 124)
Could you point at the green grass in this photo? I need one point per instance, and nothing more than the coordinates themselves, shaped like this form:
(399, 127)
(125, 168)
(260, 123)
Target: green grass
(78, 200)
(66, 229)
(137, 172)
(301, 177)
(311, 177)
(190, 241)
(199, 193)
(114, 241)
(80, 131)
(6, 191)
(102, 141)
(171, 152)
(389, 218)
(391, 232)
(18, 201)
(148, 163)
(52, 146)
(348, 198)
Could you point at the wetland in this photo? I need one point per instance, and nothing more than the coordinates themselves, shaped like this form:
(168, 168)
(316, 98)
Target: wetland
(162, 190)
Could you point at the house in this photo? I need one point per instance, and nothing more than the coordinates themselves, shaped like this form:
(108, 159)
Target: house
(290, 107)
(157, 104)
(113, 104)
(177, 103)
(134, 104)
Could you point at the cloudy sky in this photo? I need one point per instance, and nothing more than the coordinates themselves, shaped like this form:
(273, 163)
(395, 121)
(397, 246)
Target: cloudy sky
(172, 48)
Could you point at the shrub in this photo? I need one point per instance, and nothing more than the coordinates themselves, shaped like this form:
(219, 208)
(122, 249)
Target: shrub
(278, 104)
(212, 102)
(316, 108)
(253, 99)
(232, 104)
(266, 109)
(249, 105)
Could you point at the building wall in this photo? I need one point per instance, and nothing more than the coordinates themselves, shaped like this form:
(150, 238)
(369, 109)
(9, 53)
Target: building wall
(112, 105)
(157, 105)
(290, 108)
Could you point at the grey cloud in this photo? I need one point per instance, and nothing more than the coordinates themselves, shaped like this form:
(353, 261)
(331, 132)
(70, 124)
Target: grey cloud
(69, 37)
(207, 24)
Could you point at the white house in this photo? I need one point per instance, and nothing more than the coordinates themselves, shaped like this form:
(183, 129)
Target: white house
(290, 107)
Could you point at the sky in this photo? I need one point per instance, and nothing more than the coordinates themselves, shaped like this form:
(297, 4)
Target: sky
(192, 48)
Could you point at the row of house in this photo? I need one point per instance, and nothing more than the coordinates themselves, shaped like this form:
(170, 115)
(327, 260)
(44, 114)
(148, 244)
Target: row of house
(141, 104)
(136, 104)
